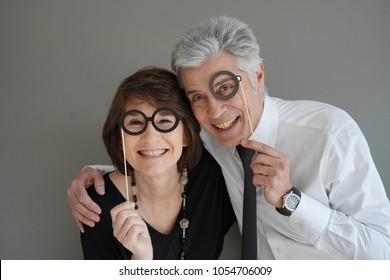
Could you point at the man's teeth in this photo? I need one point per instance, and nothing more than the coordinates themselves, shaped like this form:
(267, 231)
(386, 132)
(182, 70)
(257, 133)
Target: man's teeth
(226, 124)
(153, 153)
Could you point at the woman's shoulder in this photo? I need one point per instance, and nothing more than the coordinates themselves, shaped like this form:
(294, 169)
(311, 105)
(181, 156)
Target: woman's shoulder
(206, 162)
(111, 196)
(207, 170)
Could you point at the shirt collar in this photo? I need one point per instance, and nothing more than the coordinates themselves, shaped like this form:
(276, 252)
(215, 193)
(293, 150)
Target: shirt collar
(266, 130)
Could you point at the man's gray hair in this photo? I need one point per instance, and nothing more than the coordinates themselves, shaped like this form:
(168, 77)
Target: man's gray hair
(210, 38)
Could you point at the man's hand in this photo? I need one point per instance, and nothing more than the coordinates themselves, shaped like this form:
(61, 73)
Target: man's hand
(84, 209)
(131, 230)
(271, 169)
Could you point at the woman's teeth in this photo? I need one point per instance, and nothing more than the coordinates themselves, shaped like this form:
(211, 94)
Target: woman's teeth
(153, 153)
(226, 125)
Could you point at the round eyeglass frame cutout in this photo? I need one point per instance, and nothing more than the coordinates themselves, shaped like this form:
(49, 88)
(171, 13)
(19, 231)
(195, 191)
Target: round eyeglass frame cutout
(236, 78)
(147, 120)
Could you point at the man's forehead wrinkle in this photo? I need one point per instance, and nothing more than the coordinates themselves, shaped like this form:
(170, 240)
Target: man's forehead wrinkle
(193, 91)
(223, 81)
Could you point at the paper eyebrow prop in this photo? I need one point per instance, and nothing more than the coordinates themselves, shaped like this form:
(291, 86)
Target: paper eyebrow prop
(224, 85)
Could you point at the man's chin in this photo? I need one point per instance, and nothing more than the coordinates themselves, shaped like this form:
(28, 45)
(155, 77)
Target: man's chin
(228, 143)
(226, 139)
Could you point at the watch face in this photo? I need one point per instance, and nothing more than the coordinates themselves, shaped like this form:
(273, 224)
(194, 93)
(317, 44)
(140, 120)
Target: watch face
(292, 202)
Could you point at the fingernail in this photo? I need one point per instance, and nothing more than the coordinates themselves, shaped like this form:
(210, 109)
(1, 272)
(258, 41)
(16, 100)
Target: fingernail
(95, 217)
(100, 190)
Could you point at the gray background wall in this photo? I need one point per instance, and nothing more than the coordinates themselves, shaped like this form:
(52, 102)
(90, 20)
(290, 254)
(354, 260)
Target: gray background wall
(61, 62)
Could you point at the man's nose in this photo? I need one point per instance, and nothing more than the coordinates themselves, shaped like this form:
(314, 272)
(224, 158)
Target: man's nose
(215, 107)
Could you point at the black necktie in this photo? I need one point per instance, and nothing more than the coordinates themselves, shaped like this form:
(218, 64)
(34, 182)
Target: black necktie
(249, 228)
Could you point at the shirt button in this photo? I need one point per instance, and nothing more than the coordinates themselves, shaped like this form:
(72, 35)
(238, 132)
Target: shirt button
(278, 250)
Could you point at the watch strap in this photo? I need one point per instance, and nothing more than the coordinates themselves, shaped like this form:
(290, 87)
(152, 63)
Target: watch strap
(284, 211)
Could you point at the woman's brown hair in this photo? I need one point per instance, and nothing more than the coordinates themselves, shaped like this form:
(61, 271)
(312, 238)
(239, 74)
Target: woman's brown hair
(158, 87)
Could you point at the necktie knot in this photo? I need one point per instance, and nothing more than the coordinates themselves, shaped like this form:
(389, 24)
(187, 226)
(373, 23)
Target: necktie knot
(245, 153)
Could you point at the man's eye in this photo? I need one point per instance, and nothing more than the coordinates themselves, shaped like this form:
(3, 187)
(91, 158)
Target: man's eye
(225, 89)
(197, 98)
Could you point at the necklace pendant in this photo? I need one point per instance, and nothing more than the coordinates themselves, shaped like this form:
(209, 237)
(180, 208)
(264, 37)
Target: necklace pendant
(183, 179)
(184, 223)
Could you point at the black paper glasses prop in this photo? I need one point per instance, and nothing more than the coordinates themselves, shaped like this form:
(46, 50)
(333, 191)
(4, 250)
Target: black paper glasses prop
(224, 85)
(135, 122)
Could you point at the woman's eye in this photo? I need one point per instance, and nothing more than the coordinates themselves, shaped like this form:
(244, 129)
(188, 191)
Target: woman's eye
(135, 122)
(165, 121)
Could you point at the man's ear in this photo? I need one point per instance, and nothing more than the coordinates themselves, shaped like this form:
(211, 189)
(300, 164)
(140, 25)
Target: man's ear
(260, 78)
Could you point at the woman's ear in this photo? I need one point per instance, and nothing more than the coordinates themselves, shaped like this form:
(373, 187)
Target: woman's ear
(186, 140)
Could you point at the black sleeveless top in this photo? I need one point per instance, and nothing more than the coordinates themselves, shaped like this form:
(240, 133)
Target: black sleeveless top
(208, 209)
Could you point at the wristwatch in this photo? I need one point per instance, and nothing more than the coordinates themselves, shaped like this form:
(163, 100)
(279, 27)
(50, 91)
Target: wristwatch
(290, 202)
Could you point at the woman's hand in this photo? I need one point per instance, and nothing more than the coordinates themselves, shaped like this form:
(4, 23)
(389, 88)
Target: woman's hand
(131, 230)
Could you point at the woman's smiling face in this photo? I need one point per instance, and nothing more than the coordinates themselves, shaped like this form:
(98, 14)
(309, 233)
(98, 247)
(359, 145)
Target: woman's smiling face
(152, 152)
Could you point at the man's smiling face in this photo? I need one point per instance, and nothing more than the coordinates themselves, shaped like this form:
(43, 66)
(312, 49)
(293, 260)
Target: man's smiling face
(227, 120)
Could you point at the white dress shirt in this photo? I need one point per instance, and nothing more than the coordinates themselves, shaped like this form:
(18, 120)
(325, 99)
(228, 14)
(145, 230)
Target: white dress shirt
(344, 212)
